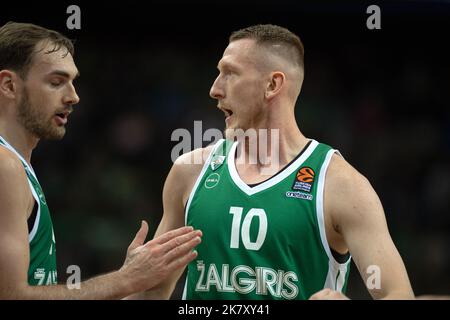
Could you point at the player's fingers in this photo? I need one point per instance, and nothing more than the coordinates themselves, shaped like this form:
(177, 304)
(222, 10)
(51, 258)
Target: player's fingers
(170, 235)
(182, 261)
(180, 250)
(180, 240)
(140, 236)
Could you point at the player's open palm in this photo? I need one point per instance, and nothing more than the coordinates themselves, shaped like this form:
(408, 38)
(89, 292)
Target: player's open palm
(146, 265)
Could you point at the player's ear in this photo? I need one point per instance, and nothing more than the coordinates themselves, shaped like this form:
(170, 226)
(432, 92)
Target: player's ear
(275, 84)
(8, 84)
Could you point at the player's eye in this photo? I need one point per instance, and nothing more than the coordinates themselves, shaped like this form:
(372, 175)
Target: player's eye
(56, 83)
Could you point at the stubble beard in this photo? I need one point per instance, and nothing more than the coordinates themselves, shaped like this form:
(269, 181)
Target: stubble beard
(37, 123)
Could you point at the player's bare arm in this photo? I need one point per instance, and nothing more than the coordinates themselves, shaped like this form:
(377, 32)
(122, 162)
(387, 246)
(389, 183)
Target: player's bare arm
(145, 266)
(177, 188)
(355, 219)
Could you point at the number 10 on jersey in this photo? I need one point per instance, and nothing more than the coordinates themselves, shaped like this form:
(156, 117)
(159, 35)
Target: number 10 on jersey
(244, 232)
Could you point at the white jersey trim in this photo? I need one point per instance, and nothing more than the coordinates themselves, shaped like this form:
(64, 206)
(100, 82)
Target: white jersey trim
(35, 195)
(191, 196)
(336, 271)
(274, 179)
(199, 178)
(38, 214)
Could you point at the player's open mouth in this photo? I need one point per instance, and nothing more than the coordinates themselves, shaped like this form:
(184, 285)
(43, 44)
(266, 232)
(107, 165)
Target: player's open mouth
(61, 118)
(228, 113)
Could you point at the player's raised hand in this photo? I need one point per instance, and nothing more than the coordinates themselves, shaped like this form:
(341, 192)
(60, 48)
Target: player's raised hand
(146, 265)
(140, 237)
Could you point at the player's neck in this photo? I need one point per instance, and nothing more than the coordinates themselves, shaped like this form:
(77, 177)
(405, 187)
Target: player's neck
(18, 137)
(274, 147)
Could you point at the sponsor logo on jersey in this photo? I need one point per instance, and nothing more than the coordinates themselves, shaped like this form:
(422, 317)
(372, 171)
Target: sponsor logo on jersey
(212, 180)
(299, 195)
(216, 162)
(304, 179)
(243, 279)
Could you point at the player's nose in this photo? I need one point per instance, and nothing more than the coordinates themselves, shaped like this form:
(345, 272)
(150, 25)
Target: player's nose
(216, 91)
(71, 98)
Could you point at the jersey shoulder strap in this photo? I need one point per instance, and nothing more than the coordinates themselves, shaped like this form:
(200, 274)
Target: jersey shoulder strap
(219, 154)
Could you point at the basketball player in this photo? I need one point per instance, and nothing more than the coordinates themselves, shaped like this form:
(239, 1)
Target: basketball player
(284, 235)
(36, 98)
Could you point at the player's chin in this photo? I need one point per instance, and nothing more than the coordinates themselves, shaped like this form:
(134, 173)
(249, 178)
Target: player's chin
(57, 133)
(60, 134)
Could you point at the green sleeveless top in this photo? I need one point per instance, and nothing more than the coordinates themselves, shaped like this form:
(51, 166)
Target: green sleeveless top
(262, 242)
(42, 268)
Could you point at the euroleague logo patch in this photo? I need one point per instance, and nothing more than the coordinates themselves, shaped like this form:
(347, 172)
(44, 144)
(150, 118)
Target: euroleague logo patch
(304, 179)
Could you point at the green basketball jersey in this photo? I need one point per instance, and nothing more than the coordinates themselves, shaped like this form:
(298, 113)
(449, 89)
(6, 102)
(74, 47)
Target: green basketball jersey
(262, 242)
(42, 268)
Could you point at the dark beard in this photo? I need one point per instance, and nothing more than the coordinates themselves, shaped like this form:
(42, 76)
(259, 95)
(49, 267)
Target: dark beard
(36, 122)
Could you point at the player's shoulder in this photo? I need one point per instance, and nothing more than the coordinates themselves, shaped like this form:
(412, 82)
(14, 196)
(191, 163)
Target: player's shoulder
(348, 195)
(342, 177)
(10, 164)
(185, 171)
(13, 179)
(196, 157)
(188, 166)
